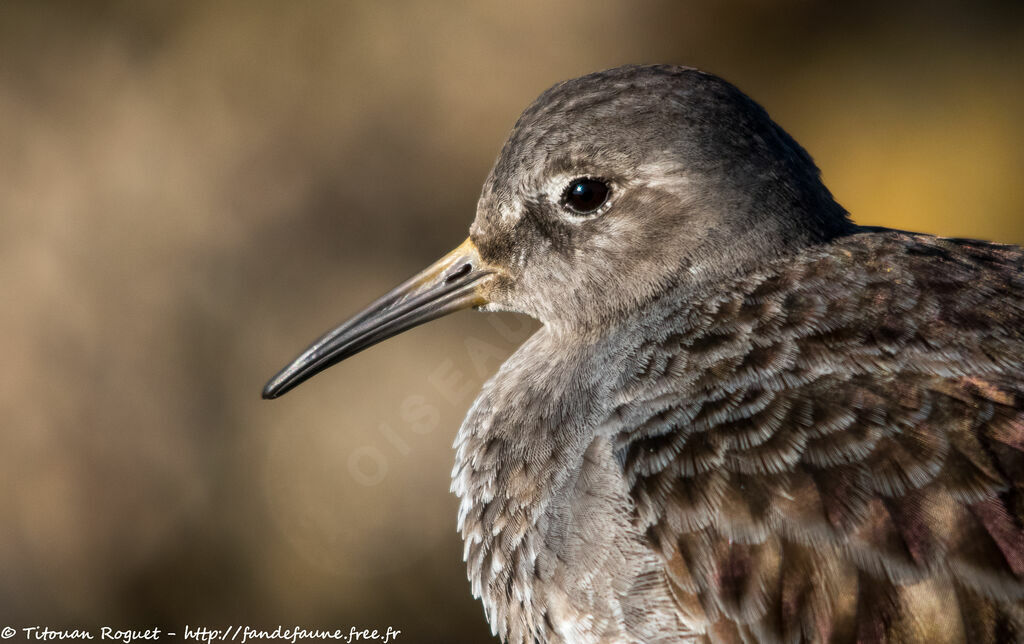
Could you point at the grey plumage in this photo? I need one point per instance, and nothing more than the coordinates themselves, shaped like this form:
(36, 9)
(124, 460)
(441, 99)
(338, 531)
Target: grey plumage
(744, 418)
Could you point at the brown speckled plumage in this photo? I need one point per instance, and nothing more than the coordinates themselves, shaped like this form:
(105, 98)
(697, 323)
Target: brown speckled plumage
(744, 419)
(831, 447)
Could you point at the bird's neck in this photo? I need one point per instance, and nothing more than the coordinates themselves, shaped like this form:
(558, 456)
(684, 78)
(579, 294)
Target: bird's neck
(519, 454)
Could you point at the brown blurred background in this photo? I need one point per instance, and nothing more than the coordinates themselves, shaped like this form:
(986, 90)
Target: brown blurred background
(191, 192)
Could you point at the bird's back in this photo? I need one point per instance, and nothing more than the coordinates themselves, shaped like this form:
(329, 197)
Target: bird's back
(831, 447)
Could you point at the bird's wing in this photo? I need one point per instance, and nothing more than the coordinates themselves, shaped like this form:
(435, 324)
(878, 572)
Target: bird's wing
(833, 449)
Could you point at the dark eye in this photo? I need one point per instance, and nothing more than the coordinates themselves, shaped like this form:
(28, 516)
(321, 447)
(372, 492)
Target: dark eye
(584, 196)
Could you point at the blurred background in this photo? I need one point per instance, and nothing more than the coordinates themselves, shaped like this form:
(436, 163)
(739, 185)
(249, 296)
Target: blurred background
(192, 192)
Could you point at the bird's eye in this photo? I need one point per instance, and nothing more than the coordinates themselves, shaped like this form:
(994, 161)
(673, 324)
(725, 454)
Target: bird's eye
(585, 196)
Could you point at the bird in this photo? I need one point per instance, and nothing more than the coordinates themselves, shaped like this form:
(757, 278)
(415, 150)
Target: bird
(743, 417)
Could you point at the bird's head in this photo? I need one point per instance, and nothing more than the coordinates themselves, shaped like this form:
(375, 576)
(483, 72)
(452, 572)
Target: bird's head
(610, 189)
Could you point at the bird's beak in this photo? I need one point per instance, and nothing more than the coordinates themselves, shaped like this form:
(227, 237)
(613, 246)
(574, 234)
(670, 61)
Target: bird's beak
(453, 282)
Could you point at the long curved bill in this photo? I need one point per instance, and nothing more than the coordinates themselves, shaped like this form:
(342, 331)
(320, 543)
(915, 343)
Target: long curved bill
(451, 283)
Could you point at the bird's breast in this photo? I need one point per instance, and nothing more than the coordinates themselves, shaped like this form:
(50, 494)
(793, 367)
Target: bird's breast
(545, 513)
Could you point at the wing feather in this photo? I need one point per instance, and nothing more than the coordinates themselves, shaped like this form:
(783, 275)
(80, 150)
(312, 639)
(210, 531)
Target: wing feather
(833, 449)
